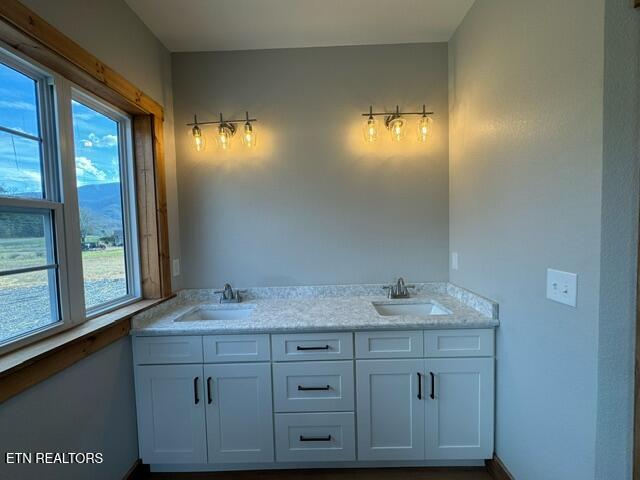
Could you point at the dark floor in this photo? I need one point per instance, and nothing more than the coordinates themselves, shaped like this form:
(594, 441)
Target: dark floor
(343, 474)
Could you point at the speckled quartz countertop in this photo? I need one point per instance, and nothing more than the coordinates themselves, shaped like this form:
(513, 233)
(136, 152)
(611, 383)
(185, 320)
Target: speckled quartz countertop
(312, 309)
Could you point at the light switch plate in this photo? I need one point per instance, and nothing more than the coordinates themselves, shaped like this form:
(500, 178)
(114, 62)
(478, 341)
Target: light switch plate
(454, 260)
(562, 287)
(176, 267)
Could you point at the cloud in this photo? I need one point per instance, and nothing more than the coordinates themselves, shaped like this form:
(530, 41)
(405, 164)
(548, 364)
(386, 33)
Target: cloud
(17, 105)
(85, 168)
(106, 141)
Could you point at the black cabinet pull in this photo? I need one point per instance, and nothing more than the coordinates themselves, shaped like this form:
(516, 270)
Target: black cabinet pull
(433, 385)
(419, 386)
(304, 389)
(315, 439)
(326, 347)
(196, 397)
(209, 398)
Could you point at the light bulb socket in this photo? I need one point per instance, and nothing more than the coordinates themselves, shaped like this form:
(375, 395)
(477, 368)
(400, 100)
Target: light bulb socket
(195, 131)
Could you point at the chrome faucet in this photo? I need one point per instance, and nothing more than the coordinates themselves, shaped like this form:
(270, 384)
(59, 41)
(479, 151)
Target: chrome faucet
(399, 290)
(228, 295)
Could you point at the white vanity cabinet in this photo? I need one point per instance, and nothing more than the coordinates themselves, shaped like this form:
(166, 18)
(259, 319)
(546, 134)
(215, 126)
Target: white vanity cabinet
(239, 412)
(250, 401)
(428, 408)
(171, 417)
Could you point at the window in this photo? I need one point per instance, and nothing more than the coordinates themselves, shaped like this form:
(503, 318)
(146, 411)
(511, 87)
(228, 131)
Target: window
(104, 179)
(68, 237)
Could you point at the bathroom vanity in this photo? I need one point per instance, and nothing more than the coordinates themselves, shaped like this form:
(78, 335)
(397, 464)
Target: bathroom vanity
(290, 379)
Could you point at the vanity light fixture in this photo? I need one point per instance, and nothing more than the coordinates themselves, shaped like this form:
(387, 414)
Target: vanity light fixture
(396, 124)
(225, 131)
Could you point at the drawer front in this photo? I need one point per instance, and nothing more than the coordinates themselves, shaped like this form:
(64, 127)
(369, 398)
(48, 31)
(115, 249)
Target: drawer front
(313, 386)
(390, 344)
(236, 348)
(315, 437)
(459, 343)
(312, 346)
(169, 349)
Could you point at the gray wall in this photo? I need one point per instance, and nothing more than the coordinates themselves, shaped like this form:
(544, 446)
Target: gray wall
(111, 31)
(619, 240)
(525, 194)
(314, 204)
(89, 407)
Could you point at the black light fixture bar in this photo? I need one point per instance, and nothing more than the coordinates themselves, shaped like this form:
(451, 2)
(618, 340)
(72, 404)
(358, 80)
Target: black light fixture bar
(371, 113)
(218, 122)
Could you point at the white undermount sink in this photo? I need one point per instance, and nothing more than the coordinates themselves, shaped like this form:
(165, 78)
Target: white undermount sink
(424, 309)
(213, 313)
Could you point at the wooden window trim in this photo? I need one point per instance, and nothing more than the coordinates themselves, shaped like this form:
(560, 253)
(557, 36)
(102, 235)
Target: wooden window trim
(25, 31)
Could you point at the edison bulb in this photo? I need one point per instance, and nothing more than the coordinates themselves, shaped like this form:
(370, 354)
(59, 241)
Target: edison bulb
(198, 139)
(224, 137)
(249, 136)
(370, 130)
(424, 129)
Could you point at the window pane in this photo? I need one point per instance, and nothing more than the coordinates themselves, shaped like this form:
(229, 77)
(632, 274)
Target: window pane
(100, 202)
(28, 302)
(18, 101)
(20, 166)
(24, 240)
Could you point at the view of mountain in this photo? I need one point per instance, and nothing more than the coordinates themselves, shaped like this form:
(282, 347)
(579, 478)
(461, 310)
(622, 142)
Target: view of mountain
(101, 203)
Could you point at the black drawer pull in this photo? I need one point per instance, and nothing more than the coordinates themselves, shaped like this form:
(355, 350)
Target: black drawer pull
(209, 397)
(196, 397)
(419, 386)
(304, 389)
(326, 347)
(315, 439)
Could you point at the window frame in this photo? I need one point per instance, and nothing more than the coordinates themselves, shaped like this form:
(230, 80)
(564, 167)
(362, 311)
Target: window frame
(60, 195)
(127, 195)
(47, 90)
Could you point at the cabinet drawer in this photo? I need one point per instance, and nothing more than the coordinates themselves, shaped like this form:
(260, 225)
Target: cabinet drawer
(170, 349)
(312, 346)
(389, 344)
(313, 386)
(315, 437)
(236, 348)
(459, 343)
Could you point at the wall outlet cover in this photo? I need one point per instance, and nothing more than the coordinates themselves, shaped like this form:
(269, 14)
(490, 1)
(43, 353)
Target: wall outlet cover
(562, 287)
(454, 260)
(176, 267)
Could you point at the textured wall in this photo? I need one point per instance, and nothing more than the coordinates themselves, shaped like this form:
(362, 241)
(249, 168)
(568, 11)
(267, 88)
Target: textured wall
(525, 194)
(314, 204)
(620, 184)
(88, 407)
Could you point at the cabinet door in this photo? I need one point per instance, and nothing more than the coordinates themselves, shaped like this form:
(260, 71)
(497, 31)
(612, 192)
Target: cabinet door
(459, 420)
(239, 412)
(171, 418)
(390, 414)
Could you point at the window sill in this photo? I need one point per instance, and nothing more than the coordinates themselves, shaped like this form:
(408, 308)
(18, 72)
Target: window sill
(23, 368)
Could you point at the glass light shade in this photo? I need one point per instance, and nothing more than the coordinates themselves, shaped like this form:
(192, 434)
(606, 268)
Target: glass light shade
(198, 139)
(424, 129)
(370, 130)
(396, 127)
(249, 136)
(223, 138)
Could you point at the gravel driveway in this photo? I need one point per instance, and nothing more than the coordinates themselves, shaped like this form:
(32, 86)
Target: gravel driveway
(27, 308)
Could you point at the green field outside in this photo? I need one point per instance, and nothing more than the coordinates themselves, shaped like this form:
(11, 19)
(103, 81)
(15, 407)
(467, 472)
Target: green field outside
(107, 264)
